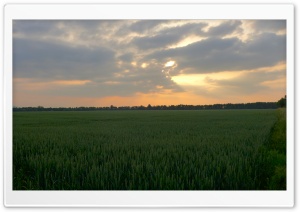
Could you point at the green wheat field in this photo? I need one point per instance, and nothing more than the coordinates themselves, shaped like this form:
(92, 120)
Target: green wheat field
(150, 150)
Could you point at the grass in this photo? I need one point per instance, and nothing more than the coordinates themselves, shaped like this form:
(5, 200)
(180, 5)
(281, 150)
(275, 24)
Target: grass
(143, 150)
(276, 151)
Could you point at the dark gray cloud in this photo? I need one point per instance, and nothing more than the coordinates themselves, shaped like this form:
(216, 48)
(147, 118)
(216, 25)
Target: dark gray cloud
(143, 26)
(158, 41)
(151, 77)
(223, 29)
(248, 83)
(168, 36)
(92, 30)
(96, 90)
(46, 61)
(93, 24)
(215, 54)
(35, 27)
(269, 25)
(144, 81)
(127, 57)
(193, 55)
(42, 59)
(186, 29)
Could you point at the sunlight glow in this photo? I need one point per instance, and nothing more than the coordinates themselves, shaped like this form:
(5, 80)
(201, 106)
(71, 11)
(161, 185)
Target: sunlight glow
(191, 79)
(170, 63)
(208, 78)
(187, 41)
(144, 65)
(28, 84)
(133, 63)
(71, 82)
(203, 79)
(111, 82)
(275, 84)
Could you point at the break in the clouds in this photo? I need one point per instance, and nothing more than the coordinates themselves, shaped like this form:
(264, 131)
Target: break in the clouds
(140, 62)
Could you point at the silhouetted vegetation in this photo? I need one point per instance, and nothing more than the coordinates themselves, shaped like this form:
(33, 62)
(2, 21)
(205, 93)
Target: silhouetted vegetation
(282, 102)
(256, 105)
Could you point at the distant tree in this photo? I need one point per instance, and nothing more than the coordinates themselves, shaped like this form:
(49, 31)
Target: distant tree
(282, 102)
(141, 107)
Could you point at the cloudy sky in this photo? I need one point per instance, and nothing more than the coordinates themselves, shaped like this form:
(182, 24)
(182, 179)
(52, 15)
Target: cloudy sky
(140, 62)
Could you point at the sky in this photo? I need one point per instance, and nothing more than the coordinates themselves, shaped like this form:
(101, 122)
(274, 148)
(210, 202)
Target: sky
(74, 63)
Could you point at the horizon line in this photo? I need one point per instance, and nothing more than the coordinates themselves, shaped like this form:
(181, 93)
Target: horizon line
(41, 106)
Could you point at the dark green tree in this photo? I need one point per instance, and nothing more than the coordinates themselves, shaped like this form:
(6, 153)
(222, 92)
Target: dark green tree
(282, 102)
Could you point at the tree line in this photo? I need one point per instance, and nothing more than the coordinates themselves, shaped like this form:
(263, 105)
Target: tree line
(256, 105)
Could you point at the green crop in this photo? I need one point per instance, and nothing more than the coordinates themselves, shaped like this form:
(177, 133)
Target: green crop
(140, 150)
